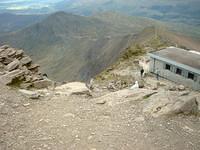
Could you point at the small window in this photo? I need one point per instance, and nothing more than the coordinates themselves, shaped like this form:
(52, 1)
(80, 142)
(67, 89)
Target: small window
(178, 71)
(167, 67)
(191, 76)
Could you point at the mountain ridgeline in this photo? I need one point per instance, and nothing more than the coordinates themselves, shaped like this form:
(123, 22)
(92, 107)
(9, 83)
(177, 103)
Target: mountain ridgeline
(70, 47)
(11, 22)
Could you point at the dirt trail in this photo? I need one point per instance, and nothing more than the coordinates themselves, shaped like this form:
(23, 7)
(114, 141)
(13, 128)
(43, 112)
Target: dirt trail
(78, 123)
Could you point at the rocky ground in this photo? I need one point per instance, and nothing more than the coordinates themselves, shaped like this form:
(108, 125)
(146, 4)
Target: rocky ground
(110, 116)
(115, 120)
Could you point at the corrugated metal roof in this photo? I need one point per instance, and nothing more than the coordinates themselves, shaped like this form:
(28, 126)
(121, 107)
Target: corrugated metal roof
(180, 56)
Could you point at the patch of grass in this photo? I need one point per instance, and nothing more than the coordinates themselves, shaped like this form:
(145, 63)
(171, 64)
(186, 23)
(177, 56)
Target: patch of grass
(132, 51)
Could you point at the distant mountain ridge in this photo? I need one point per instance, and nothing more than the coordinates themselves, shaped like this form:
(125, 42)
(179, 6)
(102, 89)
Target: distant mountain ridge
(71, 47)
(64, 44)
(11, 22)
(178, 11)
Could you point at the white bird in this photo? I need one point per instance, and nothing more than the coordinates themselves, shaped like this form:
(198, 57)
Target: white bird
(135, 86)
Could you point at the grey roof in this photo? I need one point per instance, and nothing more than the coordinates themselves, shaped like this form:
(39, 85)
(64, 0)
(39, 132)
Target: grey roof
(179, 56)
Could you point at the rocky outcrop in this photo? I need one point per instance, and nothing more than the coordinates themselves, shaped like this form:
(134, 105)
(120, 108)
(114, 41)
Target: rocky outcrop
(172, 103)
(16, 68)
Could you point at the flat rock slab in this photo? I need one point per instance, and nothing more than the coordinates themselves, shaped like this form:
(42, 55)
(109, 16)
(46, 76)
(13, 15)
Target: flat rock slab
(9, 77)
(123, 96)
(26, 60)
(73, 88)
(13, 65)
(30, 94)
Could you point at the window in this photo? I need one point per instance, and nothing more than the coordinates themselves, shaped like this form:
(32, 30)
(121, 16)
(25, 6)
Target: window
(191, 76)
(178, 71)
(167, 67)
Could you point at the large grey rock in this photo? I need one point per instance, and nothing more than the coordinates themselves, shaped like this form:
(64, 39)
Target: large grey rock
(186, 106)
(26, 60)
(10, 76)
(13, 65)
(73, 88)
(42, 84)
(170, 103)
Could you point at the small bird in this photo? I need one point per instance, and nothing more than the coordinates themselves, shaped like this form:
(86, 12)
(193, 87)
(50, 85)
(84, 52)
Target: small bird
(135, 86)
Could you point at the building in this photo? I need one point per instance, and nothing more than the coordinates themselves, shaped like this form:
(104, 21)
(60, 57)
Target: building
(178, 65)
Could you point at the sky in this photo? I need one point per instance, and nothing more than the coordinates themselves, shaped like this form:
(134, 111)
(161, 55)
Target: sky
(25, 4)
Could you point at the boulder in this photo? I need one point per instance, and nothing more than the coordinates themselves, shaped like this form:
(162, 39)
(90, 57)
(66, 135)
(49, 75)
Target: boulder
(13, 65)
(170, 103)
(10, 76)
(141, 83)
(186, 106)
(73, 88)
(181, 87)
(30, 94)
(26, 60)
(42, 83)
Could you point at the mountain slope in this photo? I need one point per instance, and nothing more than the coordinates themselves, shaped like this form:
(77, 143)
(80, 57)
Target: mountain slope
(11, 22)
(66, 45)
(71, 47)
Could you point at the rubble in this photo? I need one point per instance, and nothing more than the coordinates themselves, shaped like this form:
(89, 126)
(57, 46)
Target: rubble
(16, 68)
